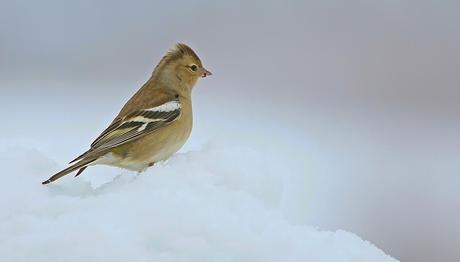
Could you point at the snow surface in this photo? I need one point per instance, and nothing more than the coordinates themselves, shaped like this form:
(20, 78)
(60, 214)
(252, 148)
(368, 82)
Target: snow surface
(218, 203)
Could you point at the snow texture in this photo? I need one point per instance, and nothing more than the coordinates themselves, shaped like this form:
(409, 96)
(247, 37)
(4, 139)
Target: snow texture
(217, 203)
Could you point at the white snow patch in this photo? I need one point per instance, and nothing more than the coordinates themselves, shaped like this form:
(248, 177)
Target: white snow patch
(215, 204)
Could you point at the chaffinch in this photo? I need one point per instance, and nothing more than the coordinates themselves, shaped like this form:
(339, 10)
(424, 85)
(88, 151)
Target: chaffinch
(154, 124)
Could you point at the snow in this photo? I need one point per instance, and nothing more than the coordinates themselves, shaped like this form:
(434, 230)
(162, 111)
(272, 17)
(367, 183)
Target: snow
(224, 201)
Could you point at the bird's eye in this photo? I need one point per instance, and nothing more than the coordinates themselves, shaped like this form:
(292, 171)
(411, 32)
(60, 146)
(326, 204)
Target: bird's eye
(193, 67)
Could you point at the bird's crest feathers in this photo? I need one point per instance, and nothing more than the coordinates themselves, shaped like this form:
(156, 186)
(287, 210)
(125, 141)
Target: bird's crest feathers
(179, 50)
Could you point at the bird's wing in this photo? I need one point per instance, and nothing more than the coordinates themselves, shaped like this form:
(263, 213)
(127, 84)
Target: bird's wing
(139, 123)
(135, 125)
(143, 99)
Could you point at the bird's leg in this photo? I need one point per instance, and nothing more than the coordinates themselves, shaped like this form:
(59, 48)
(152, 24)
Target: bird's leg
(148, 165)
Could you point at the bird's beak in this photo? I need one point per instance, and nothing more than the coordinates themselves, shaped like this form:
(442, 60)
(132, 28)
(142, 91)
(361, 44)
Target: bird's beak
(205, 73)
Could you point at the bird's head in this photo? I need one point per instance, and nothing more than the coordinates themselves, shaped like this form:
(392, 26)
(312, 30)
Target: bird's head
(181, 66)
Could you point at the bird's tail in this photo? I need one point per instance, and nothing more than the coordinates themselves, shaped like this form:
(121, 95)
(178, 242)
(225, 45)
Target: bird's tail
(82, 164)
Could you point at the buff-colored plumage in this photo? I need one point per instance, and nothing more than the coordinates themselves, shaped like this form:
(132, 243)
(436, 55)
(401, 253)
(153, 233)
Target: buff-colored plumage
(154, 123)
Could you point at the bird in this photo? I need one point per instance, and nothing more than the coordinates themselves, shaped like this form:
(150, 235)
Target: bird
(155, 122)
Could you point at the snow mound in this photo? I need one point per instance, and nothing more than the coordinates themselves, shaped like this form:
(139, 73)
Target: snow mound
(215, 204)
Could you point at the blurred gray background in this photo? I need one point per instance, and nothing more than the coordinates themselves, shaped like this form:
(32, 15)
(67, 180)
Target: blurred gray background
(368, 91)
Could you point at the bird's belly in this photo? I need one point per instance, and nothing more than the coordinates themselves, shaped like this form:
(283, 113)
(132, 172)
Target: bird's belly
(152, 149)
(162, 154)
(140, 164)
